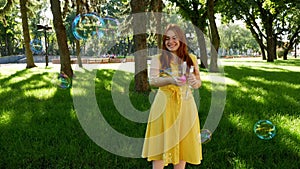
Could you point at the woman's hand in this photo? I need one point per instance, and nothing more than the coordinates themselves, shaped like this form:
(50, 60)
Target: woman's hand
(193, 81)
(179, 81)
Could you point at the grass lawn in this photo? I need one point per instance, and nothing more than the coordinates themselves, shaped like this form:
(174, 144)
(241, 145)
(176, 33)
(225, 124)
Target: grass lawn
(40, 128)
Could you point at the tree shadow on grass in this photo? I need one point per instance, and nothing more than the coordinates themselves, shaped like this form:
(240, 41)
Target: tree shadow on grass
(236, 146)
(259, 95)
(44, 132)
(97, 89)
(38, 131)
(289, 62)
(265, 91)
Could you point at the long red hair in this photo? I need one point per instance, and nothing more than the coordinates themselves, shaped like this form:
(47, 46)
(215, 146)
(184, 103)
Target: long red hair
(182, 51)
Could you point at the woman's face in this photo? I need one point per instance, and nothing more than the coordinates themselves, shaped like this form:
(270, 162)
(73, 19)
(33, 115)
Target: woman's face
(172, 41)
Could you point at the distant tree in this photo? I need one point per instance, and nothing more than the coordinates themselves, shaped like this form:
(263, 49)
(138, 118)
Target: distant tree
(288, 28)
(236, 37)
(138, 8)
(28, 52)
(261, 17)
(215, 38)
(157, 7)
(10, 33)
(61, 37)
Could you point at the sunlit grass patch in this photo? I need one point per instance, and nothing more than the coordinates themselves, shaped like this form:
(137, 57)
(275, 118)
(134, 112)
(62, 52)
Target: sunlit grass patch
(5, 117)
(41, 94)
(39, 125)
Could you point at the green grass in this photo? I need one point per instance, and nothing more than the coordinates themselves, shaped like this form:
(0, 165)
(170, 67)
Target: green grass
(39, 127)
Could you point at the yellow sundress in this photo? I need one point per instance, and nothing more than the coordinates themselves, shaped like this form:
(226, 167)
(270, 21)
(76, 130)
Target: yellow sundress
(173, 130)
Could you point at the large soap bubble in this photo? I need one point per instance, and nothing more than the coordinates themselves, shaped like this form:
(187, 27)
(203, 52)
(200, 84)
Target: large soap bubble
(36, 46)
(264, 129)
(88, 25)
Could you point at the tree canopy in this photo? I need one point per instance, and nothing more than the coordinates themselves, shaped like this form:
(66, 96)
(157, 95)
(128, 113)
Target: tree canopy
(264, 18)
(274, 24)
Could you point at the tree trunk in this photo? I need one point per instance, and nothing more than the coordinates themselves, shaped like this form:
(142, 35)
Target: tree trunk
(215, 38)
(158, 15)
(10, 45)
(77, 45)
(200, 26)
(258, 37)
(28, 52)
(285, 53)
(202, 47)
(61, 36)
(292, 41)
(140, 39)
(271, 47)
(295, 50)
(267, 22)
(263, 53)
(77, 42)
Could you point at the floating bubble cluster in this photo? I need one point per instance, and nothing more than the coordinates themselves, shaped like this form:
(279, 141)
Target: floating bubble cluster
(264, 129)
(36, 46)
(88, 25)
(99, 34)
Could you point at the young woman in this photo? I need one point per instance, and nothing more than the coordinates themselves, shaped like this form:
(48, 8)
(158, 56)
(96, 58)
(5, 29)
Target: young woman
(173, 130)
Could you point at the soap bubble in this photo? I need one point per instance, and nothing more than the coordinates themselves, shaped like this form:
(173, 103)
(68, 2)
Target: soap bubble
(205, 135)
(62, 81)
(36, 46)
(264, 129)
(111, 28)
(87, 25)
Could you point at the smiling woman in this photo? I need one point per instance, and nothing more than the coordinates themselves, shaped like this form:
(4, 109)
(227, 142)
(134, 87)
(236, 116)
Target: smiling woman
(172, 41)
(172, 134)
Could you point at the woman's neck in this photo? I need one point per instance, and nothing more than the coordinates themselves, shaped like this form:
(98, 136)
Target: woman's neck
(175, 59)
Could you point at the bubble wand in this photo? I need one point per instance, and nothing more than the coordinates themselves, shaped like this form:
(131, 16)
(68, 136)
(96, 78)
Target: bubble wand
(187, 91)
(183, 76)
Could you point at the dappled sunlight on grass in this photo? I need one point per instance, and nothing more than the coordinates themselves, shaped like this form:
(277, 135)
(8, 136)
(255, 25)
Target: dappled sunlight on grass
(231, 82)
(291, 65)
(39, 125)
(238, 162)
(273, 82)
(6, 89)
(291, 124)
(41, 94)
(5, 117)
(240, 122)
(291, 100)
(288, 129)
(264, 91)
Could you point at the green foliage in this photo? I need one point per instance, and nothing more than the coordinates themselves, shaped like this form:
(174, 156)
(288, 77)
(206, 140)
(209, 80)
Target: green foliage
(190, 10)
(236, 37)
(269, 5)
(272, 16)
(5, 7)
(11, 34)
(3, 3)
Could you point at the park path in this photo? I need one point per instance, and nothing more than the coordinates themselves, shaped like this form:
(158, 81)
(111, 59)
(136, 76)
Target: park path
(127, 66)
